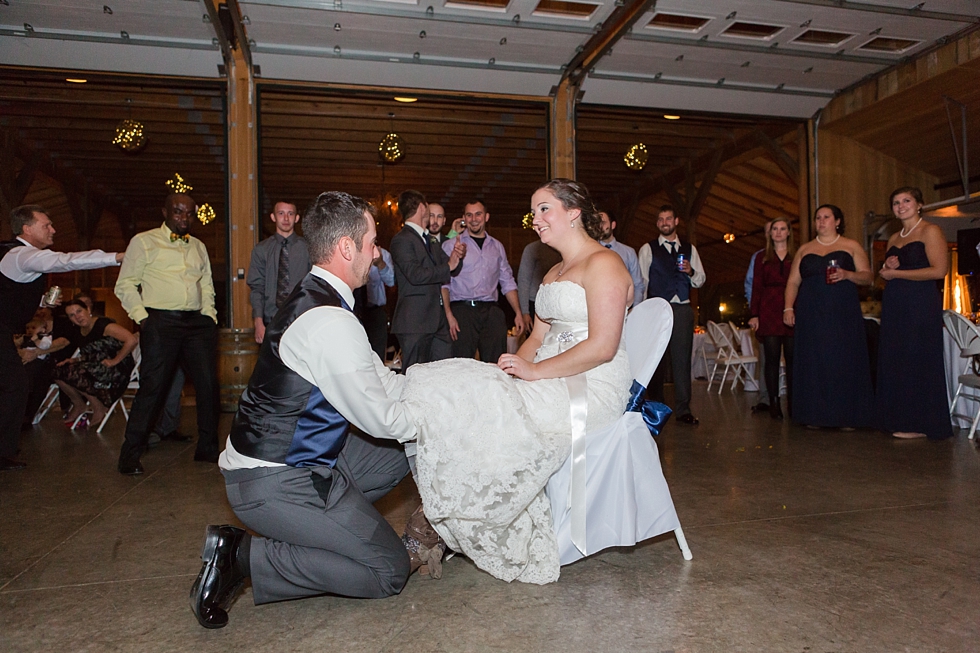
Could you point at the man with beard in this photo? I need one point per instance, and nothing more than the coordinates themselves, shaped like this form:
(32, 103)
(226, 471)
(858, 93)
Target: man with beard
(293, 470)
(670, 269)
(437, 220)
(165, 286)
(627, 253)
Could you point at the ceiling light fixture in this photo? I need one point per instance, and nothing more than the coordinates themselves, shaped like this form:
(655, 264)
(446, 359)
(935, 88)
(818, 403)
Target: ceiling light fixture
(669, 116)
(406, 100)
(75, 80)
(636, 157)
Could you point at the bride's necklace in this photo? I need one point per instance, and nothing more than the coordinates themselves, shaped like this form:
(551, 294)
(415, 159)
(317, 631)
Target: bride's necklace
(906, 235)
(830, 243)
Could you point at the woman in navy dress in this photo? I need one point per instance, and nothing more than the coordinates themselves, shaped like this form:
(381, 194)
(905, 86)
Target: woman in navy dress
(911, 400)
(769, 278)
(831, 375)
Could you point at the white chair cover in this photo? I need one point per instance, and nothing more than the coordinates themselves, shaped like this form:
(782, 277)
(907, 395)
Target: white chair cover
(627, 498)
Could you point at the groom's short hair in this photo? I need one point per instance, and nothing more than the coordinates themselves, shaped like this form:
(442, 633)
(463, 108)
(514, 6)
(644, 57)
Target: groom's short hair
(332, 216)
(409, 202)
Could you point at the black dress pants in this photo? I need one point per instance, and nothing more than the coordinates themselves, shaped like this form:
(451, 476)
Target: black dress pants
(375, 321)
(678, 356)
(483, 327)
(169, 338)
(13, 395)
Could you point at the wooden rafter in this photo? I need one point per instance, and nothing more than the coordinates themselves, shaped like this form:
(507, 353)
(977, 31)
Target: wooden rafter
(614, 28)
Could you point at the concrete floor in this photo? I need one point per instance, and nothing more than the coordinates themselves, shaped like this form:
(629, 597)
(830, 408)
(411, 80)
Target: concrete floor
(817, 541)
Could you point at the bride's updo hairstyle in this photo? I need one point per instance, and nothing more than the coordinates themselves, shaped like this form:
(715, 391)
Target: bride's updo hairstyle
(574, 195)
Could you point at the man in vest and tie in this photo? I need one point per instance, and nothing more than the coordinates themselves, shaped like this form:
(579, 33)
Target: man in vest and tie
(670, 269)
(294, 471)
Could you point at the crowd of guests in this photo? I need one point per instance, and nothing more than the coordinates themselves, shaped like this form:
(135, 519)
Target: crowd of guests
(806, 311)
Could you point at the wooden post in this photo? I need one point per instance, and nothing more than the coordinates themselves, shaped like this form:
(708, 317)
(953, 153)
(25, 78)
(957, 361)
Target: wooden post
(803, 181)
(242, 185)
(813, 172)
(562, 147)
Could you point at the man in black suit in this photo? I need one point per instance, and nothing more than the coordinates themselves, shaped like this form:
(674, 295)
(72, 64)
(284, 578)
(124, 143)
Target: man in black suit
(421, 268)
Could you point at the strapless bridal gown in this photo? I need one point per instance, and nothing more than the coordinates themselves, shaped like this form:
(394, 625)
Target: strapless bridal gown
(488, 443)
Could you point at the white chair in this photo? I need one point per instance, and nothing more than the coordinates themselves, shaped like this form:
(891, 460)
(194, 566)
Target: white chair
(729, 356)
(47, 404)
(720, 353)
(128, 393)
(623, 509)
(967, 337)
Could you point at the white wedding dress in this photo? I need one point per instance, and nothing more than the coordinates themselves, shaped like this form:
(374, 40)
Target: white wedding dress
(488, 443)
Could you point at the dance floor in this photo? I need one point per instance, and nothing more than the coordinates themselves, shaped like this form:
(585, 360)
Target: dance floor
(817, 541)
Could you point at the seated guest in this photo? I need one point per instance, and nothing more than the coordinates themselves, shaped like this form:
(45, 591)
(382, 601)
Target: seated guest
(39, 361)
(100, 373)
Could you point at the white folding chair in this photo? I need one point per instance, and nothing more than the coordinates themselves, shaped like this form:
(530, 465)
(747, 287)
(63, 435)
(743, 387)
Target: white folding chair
(729, 355)
(967, 337)
(47, 404)
(128, 393)
(720, 354)
(622, 510)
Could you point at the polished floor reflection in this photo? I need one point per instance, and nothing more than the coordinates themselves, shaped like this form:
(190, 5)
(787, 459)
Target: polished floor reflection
(819, 541)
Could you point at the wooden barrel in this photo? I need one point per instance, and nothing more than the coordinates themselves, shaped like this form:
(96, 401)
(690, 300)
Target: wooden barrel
(237, 353)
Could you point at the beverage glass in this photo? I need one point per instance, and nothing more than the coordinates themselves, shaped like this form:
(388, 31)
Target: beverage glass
(833, 266)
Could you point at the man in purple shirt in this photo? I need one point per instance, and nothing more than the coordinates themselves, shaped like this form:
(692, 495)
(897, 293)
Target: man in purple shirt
(476, 322)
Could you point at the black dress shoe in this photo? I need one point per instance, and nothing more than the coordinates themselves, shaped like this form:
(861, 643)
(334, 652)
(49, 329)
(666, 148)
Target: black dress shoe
(760, 407)
(131, 469)
(220, 578)
(688, 419)
(11, 464)
(206, 457)
(176, 436)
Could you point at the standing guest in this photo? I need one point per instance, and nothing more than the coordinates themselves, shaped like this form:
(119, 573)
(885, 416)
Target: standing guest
(294, 472)
(831, 375)
(627, 253)
(278, 263)
(165, 286)
(476, 322)
(911, 400)
(768, 293)
(763, 404)
(437, 220)
(24, 264)
(374, 316)
(100, 373)
(536, 260)
(669, 276)
(420, 270)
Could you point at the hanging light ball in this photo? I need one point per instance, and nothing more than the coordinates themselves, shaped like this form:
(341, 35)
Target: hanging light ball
(178, 185)
(729, 238)
(205, 213)
(636, 157)
(129, 135)
(528, 220)
(391, 148)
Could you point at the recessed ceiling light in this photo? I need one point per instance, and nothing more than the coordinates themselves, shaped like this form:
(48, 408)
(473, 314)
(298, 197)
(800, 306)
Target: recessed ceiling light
(406, 99)
(75, 80)
(669, 116)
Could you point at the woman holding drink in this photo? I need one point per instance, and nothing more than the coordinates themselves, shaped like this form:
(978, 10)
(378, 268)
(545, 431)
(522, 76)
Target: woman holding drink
(832, 374)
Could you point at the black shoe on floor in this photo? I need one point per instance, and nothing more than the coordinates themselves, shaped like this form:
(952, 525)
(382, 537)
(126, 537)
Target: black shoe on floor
(11, 464)
(688, 419)
(220, 578)
(776, 412)
(206, 457)
(176, 436)
(760, 407)
(131, 469)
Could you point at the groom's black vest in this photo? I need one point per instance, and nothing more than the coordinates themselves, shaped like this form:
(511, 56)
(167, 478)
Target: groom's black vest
(20, 300)
(282, 417)
(665, 280)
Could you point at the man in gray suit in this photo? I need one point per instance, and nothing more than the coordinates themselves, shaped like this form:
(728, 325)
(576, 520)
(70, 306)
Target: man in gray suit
(421, 268)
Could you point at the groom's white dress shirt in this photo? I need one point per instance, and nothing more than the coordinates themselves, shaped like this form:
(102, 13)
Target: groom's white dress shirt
(328, 347)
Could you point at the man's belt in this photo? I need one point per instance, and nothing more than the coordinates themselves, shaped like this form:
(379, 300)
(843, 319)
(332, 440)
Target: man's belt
(471, 302)
(180, 314)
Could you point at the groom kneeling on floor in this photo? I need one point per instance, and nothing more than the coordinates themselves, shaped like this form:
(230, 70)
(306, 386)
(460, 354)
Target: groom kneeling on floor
(293, 471)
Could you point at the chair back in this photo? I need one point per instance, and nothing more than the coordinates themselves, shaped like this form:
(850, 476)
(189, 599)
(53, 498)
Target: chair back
(719, 334)
(965, 333)
(646, 336)
(134, 376)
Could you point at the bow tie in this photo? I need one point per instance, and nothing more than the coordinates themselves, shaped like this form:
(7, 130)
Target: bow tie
(174, 237)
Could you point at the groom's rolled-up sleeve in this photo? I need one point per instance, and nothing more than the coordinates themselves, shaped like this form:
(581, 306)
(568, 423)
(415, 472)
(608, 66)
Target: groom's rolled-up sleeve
(328, 347)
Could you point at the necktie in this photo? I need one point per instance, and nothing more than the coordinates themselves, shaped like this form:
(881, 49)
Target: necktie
(175, 237)
(282, 277)
(673, 248)
(607, 245)
(428, 242)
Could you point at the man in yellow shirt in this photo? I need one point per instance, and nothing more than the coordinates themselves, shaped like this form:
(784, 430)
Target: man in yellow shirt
(165, 286)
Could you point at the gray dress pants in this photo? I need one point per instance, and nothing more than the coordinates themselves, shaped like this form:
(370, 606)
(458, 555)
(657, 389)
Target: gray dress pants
(322, 535)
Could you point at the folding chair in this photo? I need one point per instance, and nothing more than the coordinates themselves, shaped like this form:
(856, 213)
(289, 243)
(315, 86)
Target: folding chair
(729, 355)
(128, 393)
(967, 337)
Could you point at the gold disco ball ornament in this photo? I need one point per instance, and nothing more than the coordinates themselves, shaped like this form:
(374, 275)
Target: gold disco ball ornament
(391, 148)
(636, 157)
(177, 184)
(528, 220)
(729, 238)
(205, 213)
(129, 135)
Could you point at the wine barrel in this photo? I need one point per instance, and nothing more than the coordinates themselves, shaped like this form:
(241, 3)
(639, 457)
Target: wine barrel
(237, 353)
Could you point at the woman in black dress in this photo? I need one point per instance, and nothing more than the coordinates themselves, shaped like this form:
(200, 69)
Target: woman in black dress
(100, 372)
(831, 375)
(911, 400)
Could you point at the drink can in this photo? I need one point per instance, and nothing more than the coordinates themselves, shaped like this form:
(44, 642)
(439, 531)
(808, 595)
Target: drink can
(52, 296)
(680, 262)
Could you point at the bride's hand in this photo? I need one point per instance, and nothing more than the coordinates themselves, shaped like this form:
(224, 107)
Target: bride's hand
(516, 366)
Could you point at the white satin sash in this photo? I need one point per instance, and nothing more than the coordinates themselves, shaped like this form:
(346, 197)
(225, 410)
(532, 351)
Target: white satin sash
(566, 336)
